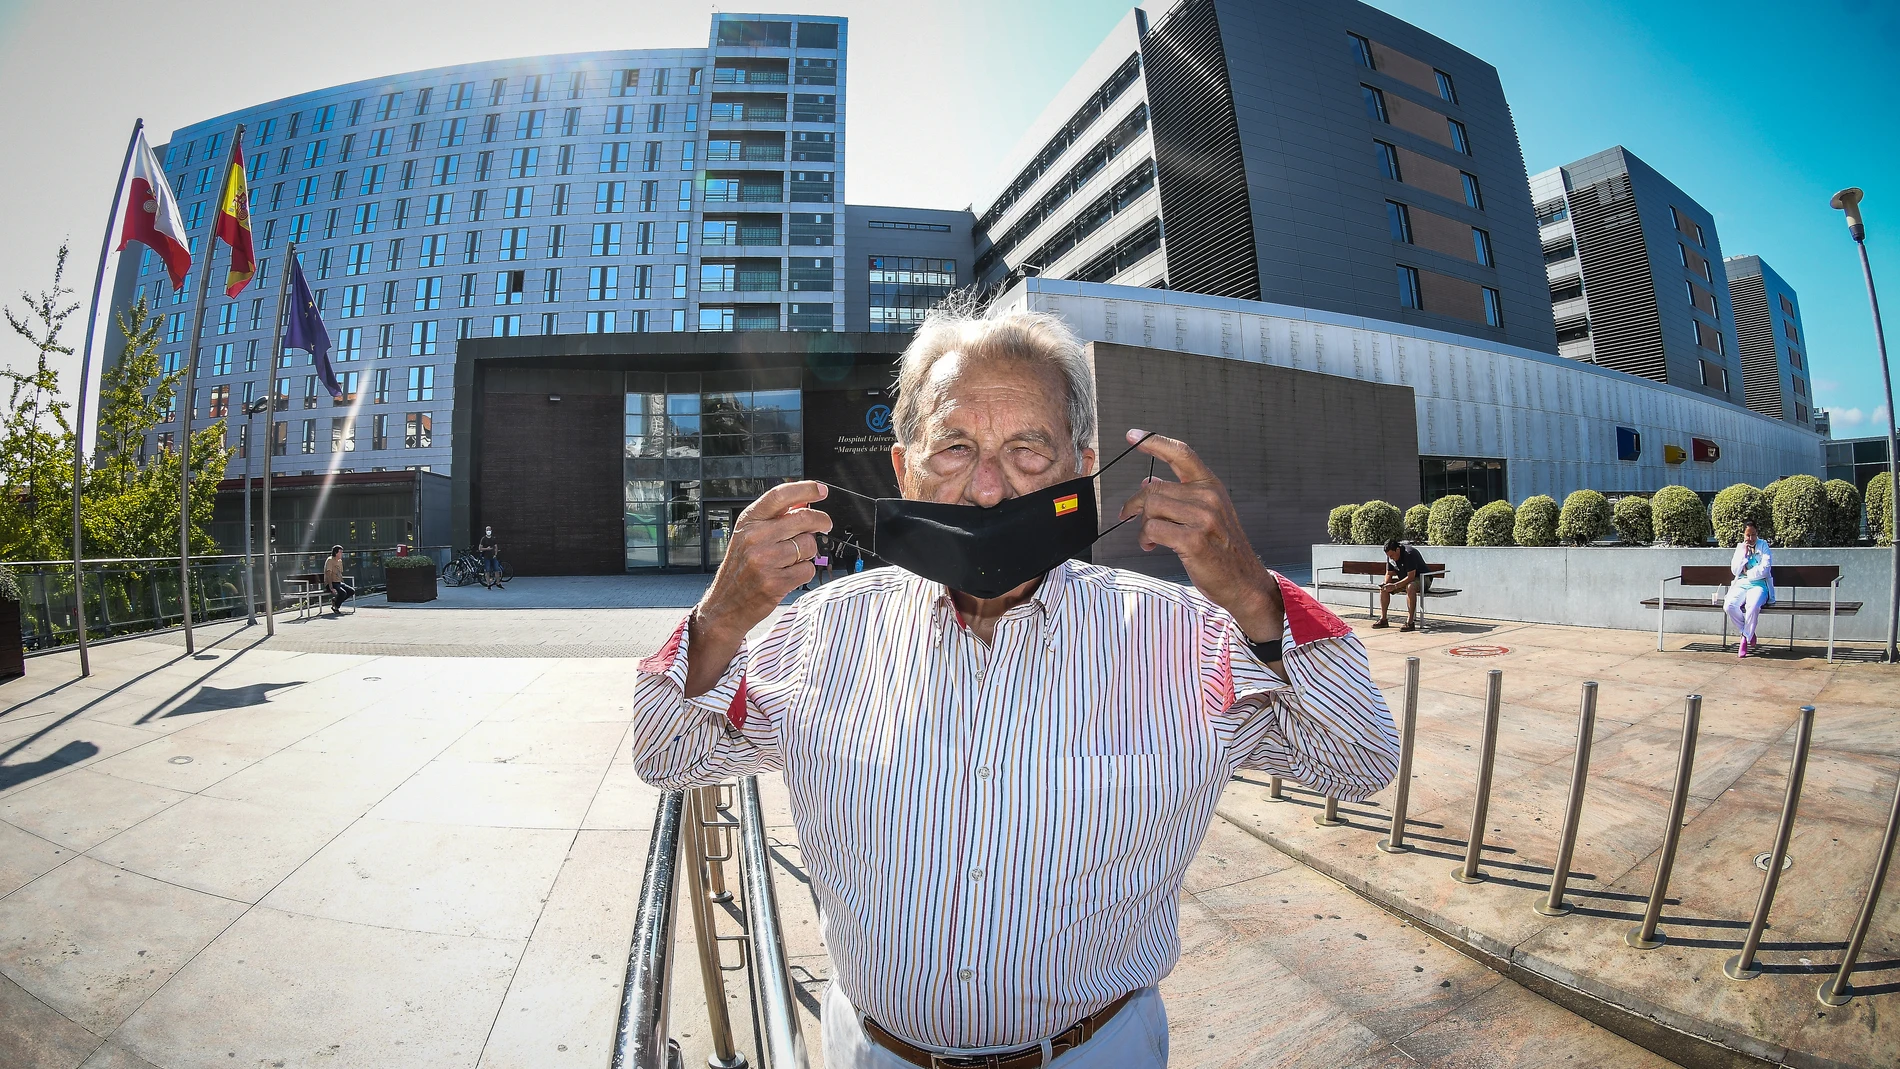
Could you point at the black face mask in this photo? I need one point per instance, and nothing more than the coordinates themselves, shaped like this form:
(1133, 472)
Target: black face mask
(988, 552)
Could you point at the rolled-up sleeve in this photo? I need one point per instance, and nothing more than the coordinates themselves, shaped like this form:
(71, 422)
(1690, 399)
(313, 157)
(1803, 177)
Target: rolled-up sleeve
(1323, 724)
(731, 730)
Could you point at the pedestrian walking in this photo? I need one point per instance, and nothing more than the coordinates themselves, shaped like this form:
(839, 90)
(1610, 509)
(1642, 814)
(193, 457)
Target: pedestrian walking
(491, 558)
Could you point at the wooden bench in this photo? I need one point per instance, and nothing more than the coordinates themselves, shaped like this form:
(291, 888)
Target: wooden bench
(1789, 578)
(1374, 573)
(307, 589)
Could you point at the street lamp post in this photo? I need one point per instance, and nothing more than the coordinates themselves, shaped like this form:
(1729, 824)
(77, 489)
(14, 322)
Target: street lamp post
(1848, 202)
(250, 600)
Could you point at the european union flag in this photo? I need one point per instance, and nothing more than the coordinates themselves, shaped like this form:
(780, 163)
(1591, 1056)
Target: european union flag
(306, 330)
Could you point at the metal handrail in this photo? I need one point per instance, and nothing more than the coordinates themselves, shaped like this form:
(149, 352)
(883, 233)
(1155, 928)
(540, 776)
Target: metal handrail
(778, 1009)
(640, 1038)
(680, 830)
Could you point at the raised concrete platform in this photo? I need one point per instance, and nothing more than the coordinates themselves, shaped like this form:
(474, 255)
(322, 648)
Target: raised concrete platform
(1676, 998)
(267, 856)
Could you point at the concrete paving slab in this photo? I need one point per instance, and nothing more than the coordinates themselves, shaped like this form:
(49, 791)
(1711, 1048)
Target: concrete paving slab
(25, 856)
(585, 743)
(318, 782)
(236, 850)
(33, 1035)
(84, 808)
(112, 1056)
(188, 765)
(624, 802)
(313, 993)
(93, 942)
(494, 795)
(61, 747)
(464, 881)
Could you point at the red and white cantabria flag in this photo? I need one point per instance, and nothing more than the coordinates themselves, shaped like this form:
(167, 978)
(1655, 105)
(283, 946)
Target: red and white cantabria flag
(151, 213)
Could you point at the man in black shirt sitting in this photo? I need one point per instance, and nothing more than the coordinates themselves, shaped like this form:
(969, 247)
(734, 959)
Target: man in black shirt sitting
(1404, 570)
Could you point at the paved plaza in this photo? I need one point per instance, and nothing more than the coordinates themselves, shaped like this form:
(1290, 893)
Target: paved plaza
(411, 836)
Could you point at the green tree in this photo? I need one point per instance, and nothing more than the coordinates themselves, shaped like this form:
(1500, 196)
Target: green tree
(1880, 508)
(1633, 521)
(1840, 512)
(1799, 507)
(1492, 524)
(1737, 504)
(1375, 523)
(1450, 520)
(1339, 524)
(1416, 519)
(36, 440)
(131, 499)
(1585, 518)
(1680, 517)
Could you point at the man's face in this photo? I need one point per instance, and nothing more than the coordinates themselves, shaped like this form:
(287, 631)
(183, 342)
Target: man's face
(992, 430)
(1393, 554)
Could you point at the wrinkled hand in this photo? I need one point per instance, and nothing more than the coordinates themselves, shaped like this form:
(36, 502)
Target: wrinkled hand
(1195, 518)
(769, 554)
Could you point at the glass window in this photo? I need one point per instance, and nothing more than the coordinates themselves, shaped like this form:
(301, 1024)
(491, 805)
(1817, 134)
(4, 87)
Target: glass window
(1473, 197)
(1398, 220)
(1375, 103)
(1361, 50)
(1481, 479)
(1388, 156)
(1446, 89)
(1459, 139)
(1481, 247)
(1493, 308)
(1409, 296)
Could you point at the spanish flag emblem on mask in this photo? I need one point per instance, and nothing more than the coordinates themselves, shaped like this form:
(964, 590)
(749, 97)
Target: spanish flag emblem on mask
(1066, 505)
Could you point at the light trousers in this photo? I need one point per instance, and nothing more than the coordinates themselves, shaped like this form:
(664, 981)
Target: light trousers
(1137, 1038)
(1743, 606)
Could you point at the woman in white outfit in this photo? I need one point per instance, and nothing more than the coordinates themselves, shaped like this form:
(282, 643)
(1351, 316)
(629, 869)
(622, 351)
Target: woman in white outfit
(1753, 586)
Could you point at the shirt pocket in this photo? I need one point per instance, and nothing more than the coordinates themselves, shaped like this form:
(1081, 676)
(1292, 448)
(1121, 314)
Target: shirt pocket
(1115, 828)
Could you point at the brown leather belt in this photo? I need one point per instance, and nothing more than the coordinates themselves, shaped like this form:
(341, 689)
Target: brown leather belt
(1024, 1058)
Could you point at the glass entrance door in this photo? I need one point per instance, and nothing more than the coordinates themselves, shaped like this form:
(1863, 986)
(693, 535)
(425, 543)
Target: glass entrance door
(720, 516)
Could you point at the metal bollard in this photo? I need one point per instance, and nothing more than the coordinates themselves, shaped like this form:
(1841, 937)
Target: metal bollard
(1273, 790)
(705, 932)
(1553, 905)
(1329, 818)
(1395, 842)
(1742, 966)
(1487, 757)
(1645, 936)
(1836, 989)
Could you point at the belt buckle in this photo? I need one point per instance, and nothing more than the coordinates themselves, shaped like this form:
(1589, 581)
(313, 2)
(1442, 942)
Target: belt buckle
(978, 1061)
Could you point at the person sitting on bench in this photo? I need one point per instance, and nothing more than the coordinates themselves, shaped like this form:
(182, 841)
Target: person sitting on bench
(1753, 586)
(1404, 570)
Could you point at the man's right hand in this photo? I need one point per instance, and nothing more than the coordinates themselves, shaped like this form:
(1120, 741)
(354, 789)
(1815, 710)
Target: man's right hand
(769, 555)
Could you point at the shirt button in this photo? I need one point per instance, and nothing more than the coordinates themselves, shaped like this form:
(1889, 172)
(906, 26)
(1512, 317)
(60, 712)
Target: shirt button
(983, 773)
(976, 874)
(966, 974)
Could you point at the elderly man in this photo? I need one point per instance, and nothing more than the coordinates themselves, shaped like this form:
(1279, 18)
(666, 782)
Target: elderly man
(997, 795)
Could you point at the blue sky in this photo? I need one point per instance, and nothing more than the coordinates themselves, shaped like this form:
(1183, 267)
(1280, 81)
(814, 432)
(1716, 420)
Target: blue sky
(1760, 111)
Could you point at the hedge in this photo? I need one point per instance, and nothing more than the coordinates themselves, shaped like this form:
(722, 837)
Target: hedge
(1491, 525)
(1339, 524)
(1880, 508)
(1799, 505)
(1375, 523)
(413, 560)
(1632, 520)
(1585, 518)
(1734, 507)
(1840, 513)
(1679, 517)
(1536, 521)
(1450, 520)
(9, 584)
(1417, 520)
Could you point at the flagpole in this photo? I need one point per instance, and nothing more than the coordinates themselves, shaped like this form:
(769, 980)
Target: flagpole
(270, 431)
(79, 414)
(190, 400)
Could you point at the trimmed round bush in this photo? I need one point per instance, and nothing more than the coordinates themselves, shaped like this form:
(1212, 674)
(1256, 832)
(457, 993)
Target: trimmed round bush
(1585, 518)
(1880, 508)
(1679, 517)
(1491, 525)
(1450, 520)
(1734, 506)
(1840, 513)
(1375, 523)
(1798, 508)
(1339, 524)
(1536, 521)
(1417, 520)
(1632, 520)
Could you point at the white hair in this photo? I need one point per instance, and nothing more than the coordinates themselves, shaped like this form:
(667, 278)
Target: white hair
(1038, 338)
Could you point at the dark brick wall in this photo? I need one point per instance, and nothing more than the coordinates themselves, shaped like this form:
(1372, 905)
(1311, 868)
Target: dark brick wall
(550, 481)
(1289, 445)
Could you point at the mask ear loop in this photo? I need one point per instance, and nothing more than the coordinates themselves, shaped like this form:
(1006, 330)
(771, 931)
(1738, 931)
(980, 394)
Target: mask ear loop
(846, 541)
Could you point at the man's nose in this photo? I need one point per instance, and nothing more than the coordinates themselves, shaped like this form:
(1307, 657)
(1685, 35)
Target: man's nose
(988, 486)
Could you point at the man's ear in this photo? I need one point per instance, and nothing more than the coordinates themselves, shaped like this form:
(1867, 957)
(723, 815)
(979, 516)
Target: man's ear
(897, 465)
(1085, 464)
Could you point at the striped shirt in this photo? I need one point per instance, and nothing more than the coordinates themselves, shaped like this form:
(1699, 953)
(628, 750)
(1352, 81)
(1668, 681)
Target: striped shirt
(996, 833)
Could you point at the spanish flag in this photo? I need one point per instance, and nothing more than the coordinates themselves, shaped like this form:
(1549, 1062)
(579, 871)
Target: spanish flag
(1066, 504)
(233, 224)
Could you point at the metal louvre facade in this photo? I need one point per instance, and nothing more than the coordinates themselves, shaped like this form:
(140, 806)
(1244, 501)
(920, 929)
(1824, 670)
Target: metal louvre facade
(1616, 273)
(1755, 330)
(1206, 218)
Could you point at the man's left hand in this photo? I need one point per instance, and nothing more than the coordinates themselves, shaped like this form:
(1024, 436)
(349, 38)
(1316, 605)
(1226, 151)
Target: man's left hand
(1196, 519)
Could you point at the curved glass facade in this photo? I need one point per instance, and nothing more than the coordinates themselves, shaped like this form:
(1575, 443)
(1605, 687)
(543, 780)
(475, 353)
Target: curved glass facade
(599, 192)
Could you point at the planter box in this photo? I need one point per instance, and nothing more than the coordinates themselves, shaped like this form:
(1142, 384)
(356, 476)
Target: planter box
(1603, 586)
(410, 584)
(12, 645)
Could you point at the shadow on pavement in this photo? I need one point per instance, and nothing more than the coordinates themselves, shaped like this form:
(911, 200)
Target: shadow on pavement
(70, 754)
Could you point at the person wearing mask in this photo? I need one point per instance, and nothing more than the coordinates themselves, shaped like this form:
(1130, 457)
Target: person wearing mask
(491, 558)
(340, 591)
(1752, 587)
(1404, 571)
(1001, 760)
